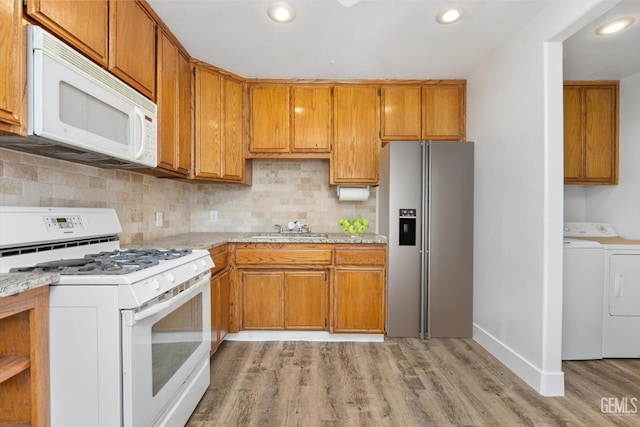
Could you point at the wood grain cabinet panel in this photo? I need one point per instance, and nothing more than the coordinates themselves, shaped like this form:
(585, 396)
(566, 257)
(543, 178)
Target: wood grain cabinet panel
(24, 358)
(174, 108)
(591, 132)
(262, 295)
(311, 118)
(219, 154)
(220, 295)
(444, 111)
(401, 113)
(269, 118)
(356, 147)
(290, 120)
(359, 300)
(13, 107)
(359, 289)
(132, 45)
(306, 300)
(84, 24)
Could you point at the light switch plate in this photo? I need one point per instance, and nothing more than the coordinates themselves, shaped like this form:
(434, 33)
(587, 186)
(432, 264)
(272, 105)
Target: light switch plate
(213, 216)
(159, 219)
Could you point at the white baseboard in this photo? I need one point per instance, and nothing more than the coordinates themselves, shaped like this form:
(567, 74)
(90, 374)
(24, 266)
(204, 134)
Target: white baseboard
(302, 336)
(545, 383)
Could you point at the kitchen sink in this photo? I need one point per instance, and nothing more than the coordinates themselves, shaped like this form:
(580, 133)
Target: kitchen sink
(290, 236)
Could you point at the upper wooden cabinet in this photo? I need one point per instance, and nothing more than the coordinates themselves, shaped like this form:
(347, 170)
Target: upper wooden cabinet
(432, 111)
(132, 45)
(444, 111)
(117, 34)
(269, 118)
(591, 132)
(13, 107)
(219, 153)
(401, 113)
(174, 108)
(311, 114)
(82, 23)
(290, 120)
(355, 154)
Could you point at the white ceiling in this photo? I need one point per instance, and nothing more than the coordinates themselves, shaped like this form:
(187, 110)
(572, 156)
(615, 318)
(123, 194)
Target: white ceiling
(394, 39)
(612, 57)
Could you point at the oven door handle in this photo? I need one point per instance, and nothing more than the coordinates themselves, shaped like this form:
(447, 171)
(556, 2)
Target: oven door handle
(157, 308)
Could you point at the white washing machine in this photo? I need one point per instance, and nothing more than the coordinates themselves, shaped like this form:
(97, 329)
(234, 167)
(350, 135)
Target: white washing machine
(621, 288)
(582, 299)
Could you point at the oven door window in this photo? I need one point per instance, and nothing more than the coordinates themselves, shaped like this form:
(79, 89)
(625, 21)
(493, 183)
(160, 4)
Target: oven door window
(174, 339)
(162, 346)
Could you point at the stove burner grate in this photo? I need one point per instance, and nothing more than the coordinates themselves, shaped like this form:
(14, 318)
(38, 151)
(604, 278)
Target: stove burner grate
(107, 263)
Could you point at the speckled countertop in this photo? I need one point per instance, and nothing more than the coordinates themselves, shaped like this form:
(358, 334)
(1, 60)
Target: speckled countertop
(211, 240)
(14, 283)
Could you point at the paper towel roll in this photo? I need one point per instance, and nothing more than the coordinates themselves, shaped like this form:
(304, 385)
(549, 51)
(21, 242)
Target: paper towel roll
(353, 193)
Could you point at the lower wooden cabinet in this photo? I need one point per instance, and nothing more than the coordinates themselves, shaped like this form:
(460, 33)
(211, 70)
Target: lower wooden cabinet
(314, 287)
(220, 296)
(275, 300)
(359, 289)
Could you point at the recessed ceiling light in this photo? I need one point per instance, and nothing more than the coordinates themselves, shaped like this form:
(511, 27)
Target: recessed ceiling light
(281, 11)
(449, 16)
(614, 26)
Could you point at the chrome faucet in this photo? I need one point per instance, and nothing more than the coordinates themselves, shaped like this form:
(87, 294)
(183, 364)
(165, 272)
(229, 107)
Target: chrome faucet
(278, 227)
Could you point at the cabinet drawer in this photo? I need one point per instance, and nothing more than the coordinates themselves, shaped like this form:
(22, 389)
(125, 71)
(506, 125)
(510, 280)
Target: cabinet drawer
(220, 257)
(360, 256)
(282, 254)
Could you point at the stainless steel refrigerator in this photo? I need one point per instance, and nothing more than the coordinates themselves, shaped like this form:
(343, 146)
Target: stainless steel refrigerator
(425, 209)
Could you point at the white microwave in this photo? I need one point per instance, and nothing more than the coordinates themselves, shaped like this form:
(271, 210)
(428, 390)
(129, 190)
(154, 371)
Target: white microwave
(79, 112)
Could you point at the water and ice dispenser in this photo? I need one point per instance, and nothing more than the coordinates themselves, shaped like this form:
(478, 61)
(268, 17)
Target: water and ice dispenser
(407, 232)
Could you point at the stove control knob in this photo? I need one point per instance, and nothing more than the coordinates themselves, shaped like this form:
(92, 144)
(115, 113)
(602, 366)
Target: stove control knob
(194, 266)
(170, 277)
(155, 284)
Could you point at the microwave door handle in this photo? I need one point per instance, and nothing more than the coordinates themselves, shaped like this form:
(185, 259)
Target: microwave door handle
(139, 124)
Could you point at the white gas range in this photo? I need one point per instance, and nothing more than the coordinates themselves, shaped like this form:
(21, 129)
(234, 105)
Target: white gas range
(129, 329)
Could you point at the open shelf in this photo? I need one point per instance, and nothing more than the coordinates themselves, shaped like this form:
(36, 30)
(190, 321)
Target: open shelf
(11, 366)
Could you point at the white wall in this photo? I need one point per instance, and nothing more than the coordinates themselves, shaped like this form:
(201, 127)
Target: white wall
(616, 204)
(515, 116)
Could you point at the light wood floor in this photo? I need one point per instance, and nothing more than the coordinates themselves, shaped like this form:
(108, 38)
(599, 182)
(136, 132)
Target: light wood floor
(403, 382)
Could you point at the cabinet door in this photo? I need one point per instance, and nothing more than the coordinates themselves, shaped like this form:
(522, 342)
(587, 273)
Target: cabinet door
(573, 134)
(269, 119)
(311, 118)
(13, 113)
(359, 300)
(224, 292)
(262, 300)
(355, 154)
(184, 114)
(82, 23)
(600, 134)
(591, 132)
(443, 112)
(132, 45)
(208, 139)
(220, 299)
(305, 300)
(215, 315)
(168, 95)
(401, 113)
(232, 148)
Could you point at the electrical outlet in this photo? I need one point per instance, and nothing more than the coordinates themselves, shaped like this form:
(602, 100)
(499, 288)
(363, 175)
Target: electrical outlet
(159, 219)
(213, 216)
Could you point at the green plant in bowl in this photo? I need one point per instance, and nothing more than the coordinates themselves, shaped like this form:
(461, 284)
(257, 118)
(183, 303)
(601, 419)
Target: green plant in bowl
(353, 227)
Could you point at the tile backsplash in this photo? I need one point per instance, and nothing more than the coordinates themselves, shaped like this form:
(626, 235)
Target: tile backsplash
(282, 190)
